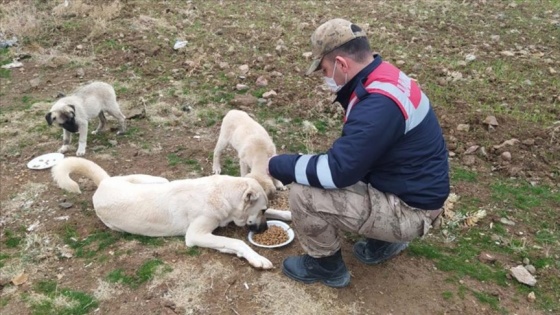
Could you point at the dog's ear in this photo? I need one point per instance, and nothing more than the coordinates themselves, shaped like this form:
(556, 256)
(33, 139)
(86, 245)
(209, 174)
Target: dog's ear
(48, 118)
(250, 195)
(72, 113)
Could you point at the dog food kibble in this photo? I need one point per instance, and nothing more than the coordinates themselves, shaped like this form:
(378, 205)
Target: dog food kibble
(274, 235)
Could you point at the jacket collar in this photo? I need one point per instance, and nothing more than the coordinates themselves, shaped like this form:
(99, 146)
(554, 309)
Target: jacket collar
(343, 96)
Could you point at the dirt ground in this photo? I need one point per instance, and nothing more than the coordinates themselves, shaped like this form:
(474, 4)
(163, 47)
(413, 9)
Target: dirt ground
(175, 98)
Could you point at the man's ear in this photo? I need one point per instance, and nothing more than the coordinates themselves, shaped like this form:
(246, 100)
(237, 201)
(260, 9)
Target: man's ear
(343, 63)
(48, 118)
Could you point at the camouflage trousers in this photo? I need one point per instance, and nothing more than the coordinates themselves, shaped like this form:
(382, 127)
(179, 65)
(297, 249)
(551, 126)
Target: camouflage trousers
(319, 214)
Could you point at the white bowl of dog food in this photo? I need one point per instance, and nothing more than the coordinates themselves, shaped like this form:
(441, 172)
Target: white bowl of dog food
(278, 234)
(45, 161)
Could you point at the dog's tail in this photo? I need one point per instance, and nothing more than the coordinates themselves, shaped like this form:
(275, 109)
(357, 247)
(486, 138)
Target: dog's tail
(62, 170)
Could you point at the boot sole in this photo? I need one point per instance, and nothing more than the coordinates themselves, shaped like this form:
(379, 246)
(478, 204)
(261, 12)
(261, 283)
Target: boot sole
(335, 283)
(366, 261)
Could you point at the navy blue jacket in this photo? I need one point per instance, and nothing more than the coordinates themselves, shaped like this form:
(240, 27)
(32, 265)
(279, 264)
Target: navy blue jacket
(375, 149)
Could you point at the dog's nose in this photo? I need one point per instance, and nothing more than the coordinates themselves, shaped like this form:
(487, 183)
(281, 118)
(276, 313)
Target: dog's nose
(258, 228)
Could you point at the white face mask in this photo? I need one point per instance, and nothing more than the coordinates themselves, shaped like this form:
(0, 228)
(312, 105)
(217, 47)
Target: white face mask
(331, 83)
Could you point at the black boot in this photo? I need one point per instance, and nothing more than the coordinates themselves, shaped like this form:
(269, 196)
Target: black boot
(372, 251)
(329, 270)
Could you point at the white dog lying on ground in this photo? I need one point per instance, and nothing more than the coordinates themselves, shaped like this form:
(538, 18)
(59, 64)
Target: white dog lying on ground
(253, 145)
(153, 206)
(74, 112)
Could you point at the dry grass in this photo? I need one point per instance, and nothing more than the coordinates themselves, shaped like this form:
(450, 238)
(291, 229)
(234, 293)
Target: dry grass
(20, 18)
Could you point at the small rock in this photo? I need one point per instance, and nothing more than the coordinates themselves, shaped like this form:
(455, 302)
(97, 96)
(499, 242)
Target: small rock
(276, 74)
(80, 72)
(552, 70)
(261, 81)
(490, 120)
(261, 101)
(269, 94)
(244, 69)
(279, 49)
(241, 87)
(223, 65)
(113, 142)
(307, 54)
(507, 53)
(35, 82)
(482, 152)
(469, 160)
(79, 47)
(507, 222)
(528, 142)
(526, 261)
(486, 258)
(65, 205)
(506, 156)
(463, 127)
(507, 142)
(20, 279)
(470, 57)
(522, 275)
(471, 149)
(531, 269)
(531, 297)
(244, 100)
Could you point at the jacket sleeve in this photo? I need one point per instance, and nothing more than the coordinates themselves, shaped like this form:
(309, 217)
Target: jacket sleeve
(374, 124)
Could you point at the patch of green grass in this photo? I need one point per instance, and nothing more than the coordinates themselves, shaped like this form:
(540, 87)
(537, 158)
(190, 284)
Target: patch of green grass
(145, 273)
(107, 45)
(321, 126)
(258, 93)
(193, 251)
(4, 60)
(447, 295)
(81, 303)
(145, 240)
(524, 196)
(12, 240)
(461, 260)
(461, 174)
(230, 166)
(132, 131)
(2, 258)
(92, 244)
(493, 301)
(208, 118)
(173, 160)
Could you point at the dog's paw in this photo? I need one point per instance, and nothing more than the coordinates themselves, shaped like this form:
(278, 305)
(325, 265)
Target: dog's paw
(120, 133)
(281, 188)
(80, 152)
(258, 261)
(216, 170)
(63, 149)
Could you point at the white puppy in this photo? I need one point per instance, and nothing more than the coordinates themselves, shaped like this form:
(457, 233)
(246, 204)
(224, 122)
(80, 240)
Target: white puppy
(74, 112)
(153, 206)
(253, 145)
